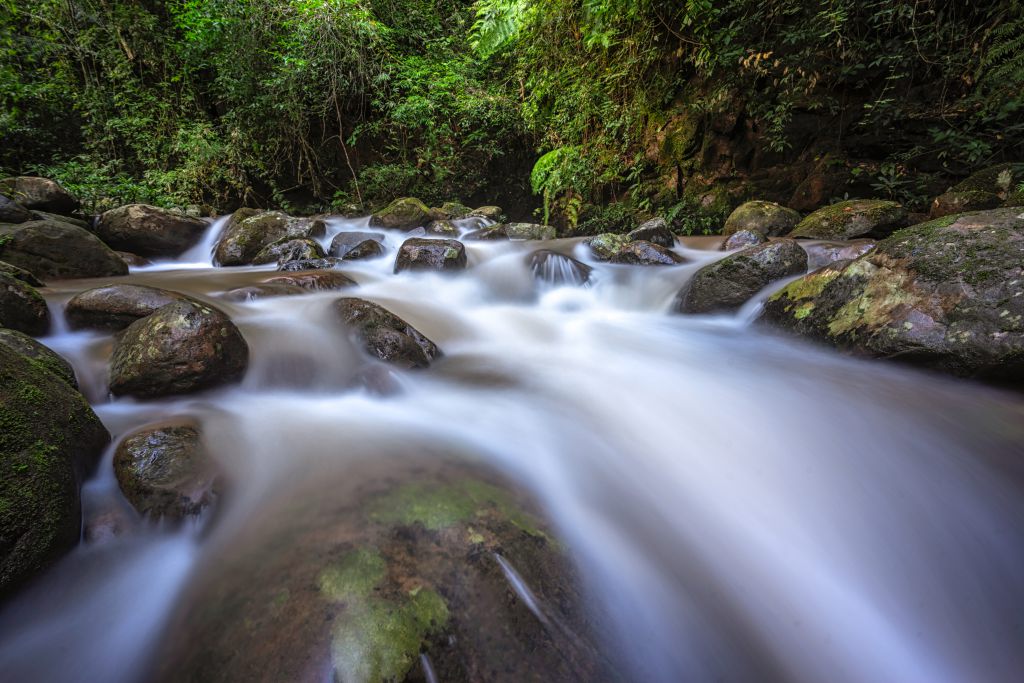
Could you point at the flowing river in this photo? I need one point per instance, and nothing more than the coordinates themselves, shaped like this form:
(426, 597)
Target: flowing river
(741, 506)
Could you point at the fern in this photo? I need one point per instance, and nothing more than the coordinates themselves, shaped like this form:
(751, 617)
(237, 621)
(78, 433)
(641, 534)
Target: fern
(497, 23)
(1002, 65)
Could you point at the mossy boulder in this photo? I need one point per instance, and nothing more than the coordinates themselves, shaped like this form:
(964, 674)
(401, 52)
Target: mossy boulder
(452, 210)
(249, 231)
(115, 307)
(183, 347)
(418, 253)
(728, 283)
(529, 231)
(947, 294)
(741, 239)
(49, 440)
(491, 213)
(165, 472)
(149, 230)
(289, 249)
(987, 189)
(402, 214)
(58, 250)
(42, 194)
(853, 218)
(384, 335)
(41, 354)
(606, 245)
(13, 212)
(344, 242)
(553, 268)
(767, 218)
(655, 231)
(22, 308)
(644, 253)
(314, 281)
(444, 228)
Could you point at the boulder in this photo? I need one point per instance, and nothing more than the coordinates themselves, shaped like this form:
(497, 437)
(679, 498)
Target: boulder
(987, 189)
(529, 231)
(944, 294)
(345, 241)
(149, 230)
(51, 249)
(77, 222)
(853, 218)
(289, 249)
(606, 245)
(316, 280)
(742, 239)
(444, 228)
(309, 264)
(22, 308)
(823, 253)
(553, 268)
(728, 283)
(12, 212)
(491, 213)
(249, 231)
(384, 335)
(655, 231)
(430, 254)
(40, 354)
(767, 218)
(165, 472)
(115, 307)
(643, 253)
(20, 274)
(452, 211)
(39, 193)
(183, 347)
(367, 249)
(402, 214)
(42, 463)
(490, 233)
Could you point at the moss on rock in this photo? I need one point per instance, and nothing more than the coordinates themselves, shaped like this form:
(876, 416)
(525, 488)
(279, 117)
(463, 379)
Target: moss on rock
(853, 218)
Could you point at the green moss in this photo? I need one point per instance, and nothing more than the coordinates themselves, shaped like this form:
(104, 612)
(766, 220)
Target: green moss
(873, 308)
(807, 287)
(354, 577)
(607, 244)
(849, 219)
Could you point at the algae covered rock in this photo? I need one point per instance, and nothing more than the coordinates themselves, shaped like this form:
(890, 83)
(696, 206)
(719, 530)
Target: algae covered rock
(444, 228)
(742, 239)
(55, 249)
(987, 189)
(384, 335)
(947, 294)
(419, 253)
(853, 218)
(49, 439)
(606, 245)
(149, 230)
(41, 354)
(529, 231)
(289, 249)
(767, 218)
(41, 194)
(115, 307)
(22, 308)
(402, 214)
(249, 231)
(557, 269)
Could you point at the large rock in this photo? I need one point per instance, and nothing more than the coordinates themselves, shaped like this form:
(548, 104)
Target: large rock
(529, 231)
(165, 472)
(12, 212)
(149, 230)
(655, 231)
(367, 249)
(987, 189)
(183, 347)
(288, 250)
(643, 253)
(418, 253)
(945, 294)
(22, 308)
(52, 249)
(344, 242)
(115, 307)
(727, 284)
(39, 193)
(49, 440)
(402, 214)
(767, 218)
(853, 218)
(39, 353)
(606, 245)
(249, 231)
(557, 269)
(384, 335)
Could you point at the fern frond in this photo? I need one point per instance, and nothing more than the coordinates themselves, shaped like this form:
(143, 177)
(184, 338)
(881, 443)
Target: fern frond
(497, 23)
(1002, 64)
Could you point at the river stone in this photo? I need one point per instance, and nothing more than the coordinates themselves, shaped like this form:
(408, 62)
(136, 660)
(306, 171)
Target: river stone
(40, 353)
(607, 245)
(263, 291)
(13, 212)
(452, 210)
(853, 218)
(309, 264)
(39, 193)
(444, 228)
(133, 260)
(823, 253)
(315, 281)
(288, 250)
(49, 440)
(20, 274)
(491, 213)
(728, 283)
(22, 308)
(343, 242)
(249, 230)
(947, 294)
(643, 253)
(490, 233)
(418, 253)
(149, 230)
(115, 307)
(165, 472)
(557, 269)
(183, 347)
(655, 231)
(57, 250)
(384, 335)
(529, 231)
(986, 189)
(367, 249)
(767, 218)
(402, 214)
(742, 239)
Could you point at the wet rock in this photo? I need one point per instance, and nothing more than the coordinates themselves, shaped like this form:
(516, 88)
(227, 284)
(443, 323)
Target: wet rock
(557, 269)
(490, 233)
(77, 222)
(309, 264)
(20, 274)
(742, 239)
(288, 250)
(642, 253)
(402, 214)
(491, 213)
(946, 294)
(430, 254)
(43, 460)
(384, 335)
(133, 260)
(529, 231)
(40, 354)
(987, 189)
(165, 472)
(183, 347)
(445, 228)
(367, 249)
(115, 307)
(249, 231)
(149, 230)
(343, 242)
(767, 218)
(12, 212)
(823, 253)
(655, 231)
(728, 283)
(263, 291)
(853, 218)
(315, 281)
(22, 308)
(605, 246)
(52, 249)
(452, 210)
(39, 193)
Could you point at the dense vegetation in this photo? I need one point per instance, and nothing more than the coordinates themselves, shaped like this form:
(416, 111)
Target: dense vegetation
(599, 108)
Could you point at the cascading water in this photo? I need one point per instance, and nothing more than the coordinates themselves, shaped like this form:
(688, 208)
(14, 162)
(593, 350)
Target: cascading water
(742, 507)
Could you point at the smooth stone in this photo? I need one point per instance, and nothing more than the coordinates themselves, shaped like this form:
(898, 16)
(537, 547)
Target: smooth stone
(384, 335)
(115, 307)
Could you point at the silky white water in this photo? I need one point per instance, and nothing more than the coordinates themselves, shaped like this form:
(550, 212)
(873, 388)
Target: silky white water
(742, 506)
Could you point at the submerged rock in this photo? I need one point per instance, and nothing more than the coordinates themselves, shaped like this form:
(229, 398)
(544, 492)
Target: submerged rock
(149, 230)
(344, 242)
(947, 294)
(54, 249)
(289, 249)
(727, 284)
(384, 335)
(115, 307)
(987, 189)
(42, 194)
(41, 354)
(49, 440)
(418, 253)
(22, 308)
(606, 245)
(183, 347)
(655, 231)
(315, 281)
(642, 253)
(402, 214)
(853, 218)
(13, 212)
(768, 218)
(557, 269)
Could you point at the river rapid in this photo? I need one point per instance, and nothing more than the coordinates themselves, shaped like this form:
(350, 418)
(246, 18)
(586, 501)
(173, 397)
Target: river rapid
(740, 505)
